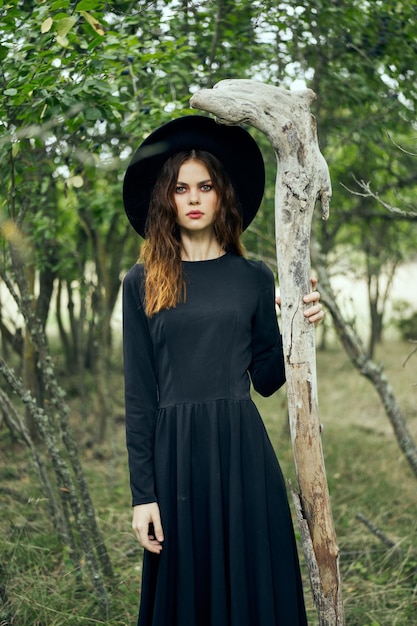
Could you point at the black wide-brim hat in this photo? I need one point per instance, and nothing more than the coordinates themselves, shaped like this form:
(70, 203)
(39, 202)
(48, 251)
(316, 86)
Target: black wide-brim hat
(232, 145)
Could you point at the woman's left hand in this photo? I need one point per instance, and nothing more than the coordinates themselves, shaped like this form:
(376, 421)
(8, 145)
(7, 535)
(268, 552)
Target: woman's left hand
(313, 313)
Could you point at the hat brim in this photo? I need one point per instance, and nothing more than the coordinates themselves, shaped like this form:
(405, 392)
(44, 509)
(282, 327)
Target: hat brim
(232, 145)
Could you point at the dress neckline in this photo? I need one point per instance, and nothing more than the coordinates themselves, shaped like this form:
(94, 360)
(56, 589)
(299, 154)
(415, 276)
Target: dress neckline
(215, 260)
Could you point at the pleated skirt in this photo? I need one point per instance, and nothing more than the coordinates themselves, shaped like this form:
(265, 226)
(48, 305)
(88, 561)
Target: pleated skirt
(229, 556)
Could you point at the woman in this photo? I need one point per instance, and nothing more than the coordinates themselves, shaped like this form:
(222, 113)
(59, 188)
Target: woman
(209, 500)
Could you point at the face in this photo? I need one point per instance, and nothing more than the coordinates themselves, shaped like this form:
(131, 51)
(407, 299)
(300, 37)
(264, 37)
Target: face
(195, 197)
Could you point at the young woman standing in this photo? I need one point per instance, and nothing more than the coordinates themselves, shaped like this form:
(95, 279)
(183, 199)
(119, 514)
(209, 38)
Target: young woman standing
(209, 501)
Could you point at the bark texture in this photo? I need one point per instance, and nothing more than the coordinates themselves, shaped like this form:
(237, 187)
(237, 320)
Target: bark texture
(302, 178)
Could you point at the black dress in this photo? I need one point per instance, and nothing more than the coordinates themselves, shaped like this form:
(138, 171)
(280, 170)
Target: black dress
(197, 445)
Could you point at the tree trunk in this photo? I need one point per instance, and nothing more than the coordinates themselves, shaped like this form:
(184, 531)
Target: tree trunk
(378, 297)
(360, 358)
(302, 178)
(53, 426)
(30, 374)
(63, 335)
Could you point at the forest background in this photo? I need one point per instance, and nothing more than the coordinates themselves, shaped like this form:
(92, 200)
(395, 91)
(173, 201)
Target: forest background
(82, 84)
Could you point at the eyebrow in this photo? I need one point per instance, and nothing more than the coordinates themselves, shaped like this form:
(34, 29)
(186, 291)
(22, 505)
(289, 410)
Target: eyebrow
(202, 182)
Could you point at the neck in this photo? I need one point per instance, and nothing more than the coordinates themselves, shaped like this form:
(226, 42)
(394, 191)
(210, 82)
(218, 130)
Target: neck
(197, 248)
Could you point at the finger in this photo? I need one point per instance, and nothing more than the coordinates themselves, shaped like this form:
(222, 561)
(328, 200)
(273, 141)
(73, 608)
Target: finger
(314, 307)
(155, 548)
(147, 541)
(312, 310)
(152, 545)
(157, 526)
(314, 317)
(314, 296)
(314, 281)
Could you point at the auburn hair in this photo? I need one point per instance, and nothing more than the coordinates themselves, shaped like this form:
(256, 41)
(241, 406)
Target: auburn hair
(165, 285)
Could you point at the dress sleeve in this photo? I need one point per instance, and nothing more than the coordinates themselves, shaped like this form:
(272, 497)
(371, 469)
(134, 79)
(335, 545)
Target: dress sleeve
(267, 367)
(141, 391)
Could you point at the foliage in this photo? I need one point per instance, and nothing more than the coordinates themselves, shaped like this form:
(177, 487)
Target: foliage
(366, 475)
(82, 83)
(406, 321)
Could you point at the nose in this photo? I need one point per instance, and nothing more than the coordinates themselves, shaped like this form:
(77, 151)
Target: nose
(194, 197)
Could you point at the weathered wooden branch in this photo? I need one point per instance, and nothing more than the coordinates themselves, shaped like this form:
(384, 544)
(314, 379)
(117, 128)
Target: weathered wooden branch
(302, 178)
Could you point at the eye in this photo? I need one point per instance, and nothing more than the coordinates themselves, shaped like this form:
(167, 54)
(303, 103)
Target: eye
(206, 187)
(180, 189)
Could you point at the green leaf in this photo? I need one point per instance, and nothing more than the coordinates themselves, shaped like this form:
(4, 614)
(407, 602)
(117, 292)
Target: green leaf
(10, 92)
(76, 181)
(63, 41)
(88, 5)
(92, 115)
(47, 25)
(15, 149)
(59, 4)
(93, 22)
(64, 25)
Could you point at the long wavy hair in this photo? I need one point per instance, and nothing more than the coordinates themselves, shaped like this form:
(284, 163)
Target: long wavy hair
(165, 286)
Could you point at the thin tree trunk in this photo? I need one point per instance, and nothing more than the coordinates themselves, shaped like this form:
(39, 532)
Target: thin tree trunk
(30, 375)
(360, 358)
(67, 487)
(63, 335)
(215, 36)
(59, 519)
(53, 426)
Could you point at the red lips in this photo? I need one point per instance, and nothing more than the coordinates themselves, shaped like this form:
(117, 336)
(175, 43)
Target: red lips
(194, 214)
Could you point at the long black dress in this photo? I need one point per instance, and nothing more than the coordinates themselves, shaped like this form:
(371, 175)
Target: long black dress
(197, 445)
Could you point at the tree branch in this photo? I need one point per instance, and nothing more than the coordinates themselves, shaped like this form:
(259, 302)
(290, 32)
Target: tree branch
(368, 193)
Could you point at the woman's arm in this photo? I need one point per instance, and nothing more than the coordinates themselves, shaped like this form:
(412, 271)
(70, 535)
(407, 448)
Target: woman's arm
(141, 396)
(267, 367)
(141, 392)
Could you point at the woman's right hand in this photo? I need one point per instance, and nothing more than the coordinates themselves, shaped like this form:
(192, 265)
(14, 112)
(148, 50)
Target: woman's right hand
(146, 524)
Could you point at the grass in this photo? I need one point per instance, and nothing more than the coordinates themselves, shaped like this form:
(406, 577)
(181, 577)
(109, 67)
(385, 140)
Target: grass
(367, 474)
